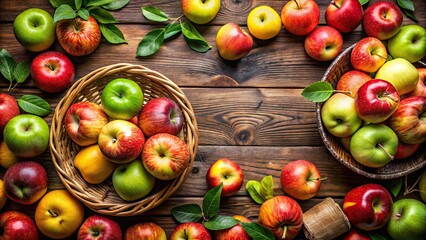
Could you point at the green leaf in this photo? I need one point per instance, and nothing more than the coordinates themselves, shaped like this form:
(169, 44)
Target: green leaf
(150, 43)
(171, 30)
(396, 186)
(211, 202)
(96, 3)
(377, 236)
(4, 52)
(187, 213)
(64, 12)
(253, 188)
(112, 34)
(57, 3)
(83, 13)
(193, 38)
(118, 4)
(102, 16)
(257, 231)
(78, 4)
(34, 105)
(7, 67)
(22, 71)
(220, 223)
(154, 14)
(410, 14)
(363, 2)
(406, 4)
(318, 91)
(267, 187)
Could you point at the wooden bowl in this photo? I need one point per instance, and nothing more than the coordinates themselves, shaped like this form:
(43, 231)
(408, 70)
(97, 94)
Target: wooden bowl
(396, 168)
(102, 198)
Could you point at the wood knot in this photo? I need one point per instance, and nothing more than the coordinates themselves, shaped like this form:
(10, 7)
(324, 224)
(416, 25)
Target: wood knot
(244, 136)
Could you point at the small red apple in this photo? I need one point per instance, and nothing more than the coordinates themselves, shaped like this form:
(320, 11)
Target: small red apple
(368, 55)
(145, 231)
(382, 20)
(99, 227)
(351, 81)
(227, 172)
(52, 71)
(190, 231)
(8, 109)
(17, 225)
(344, 15)
(324, 43)
(233, 42)
(300, 17)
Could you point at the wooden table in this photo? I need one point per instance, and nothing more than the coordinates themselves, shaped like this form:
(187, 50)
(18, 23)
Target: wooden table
(250, 111)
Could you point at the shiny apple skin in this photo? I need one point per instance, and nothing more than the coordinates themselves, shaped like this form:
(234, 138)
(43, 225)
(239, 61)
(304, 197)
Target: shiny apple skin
(99, 227)
(368, 207)
(300, 17)
(382, 20)
(17, 225)
(351, 81)
(368, 55)
(279, 212)
(227, 172)
(324, 43)
(145, 231)
(8, 109)
(190, 231)
(344, 15)
(233, 42)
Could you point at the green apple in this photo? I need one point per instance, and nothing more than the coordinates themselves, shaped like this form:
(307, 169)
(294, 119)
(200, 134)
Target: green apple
(422, 186)
(374, 145)
(408, 220)
(200, 11)
(401, 73)
(26, 135)
(409, 43)
(34, 29)
(339, 116)
(122, 98)
(132, 181)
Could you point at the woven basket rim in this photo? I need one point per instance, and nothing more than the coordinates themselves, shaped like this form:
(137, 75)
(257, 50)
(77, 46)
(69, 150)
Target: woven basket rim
(348, 161)
(124, 208)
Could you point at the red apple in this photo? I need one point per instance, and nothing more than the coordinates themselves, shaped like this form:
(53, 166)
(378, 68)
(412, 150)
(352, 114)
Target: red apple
(236, 232)
(25, 182)
(376, 100)
(165, 156)
(99, 227)
(282, 215)
(17, 225)
(84, 121)
(344, 15)
(405, 150)
(121, 141)
(382, 20)
(324, 43)
(190, 231)
(420, 89)
(356, 234)
(300, 179)
(77, 36)
(300, 17)
(8, 109)
(145, 231)
(160, 115)
(52, 71)
(408, 120)
(351, 81)
(368, 206)
(227, 172)
(368, 55)
(233, 42)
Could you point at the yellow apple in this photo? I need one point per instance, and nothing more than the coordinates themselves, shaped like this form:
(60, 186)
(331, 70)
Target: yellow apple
(200, 11)
(3, 196)
(59, 214)
(7, 158)
(264, 22)
(93, 165)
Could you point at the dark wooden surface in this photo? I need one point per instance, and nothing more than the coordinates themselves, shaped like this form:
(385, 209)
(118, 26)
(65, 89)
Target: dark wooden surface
(250, 110)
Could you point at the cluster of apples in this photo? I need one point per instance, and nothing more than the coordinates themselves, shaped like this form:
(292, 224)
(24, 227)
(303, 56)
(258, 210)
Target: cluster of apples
(378, 105)
(112, 136)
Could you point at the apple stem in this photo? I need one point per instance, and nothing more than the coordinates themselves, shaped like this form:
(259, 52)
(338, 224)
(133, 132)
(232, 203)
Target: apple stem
(321, 179)
(298, 6)
(390, 96)
(334, 4)
(55, 215)
(381, 146)
(75, 24)
(49, 66)
(284, 232)
(342, 91)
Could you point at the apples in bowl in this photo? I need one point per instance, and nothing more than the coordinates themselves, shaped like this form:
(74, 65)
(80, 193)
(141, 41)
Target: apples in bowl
(110, 196)
(353, 148)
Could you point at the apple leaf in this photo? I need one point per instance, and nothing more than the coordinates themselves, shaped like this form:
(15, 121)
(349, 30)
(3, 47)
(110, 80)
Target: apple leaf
(318, 91)
(406, 4)
(22, 71)
(253, 188)
(112, 33)
(150, 43)
(7, 67)
(57, 3)
(102, 16)
(257, 231)
(116, 5)
(220, 223)
(363, 2)
(78, 4)
(396, 186)
(4, 52)
(377, 236)
(96, 3)
(34, 105)
(410, 14)
(194, 39)
(187, 213)
(211, 202)
(171, 30)
(267, 187)
(64, 11)
(154, 14)
(83, 13)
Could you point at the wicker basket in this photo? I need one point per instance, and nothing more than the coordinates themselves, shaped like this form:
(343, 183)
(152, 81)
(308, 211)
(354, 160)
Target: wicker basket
(394, 169)
(102, 198)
